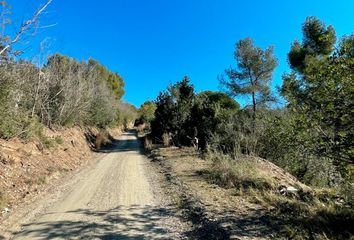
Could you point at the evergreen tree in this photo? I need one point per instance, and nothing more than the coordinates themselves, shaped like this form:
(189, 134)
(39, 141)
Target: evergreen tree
(253, 74)
(320, 91)
(147, 112)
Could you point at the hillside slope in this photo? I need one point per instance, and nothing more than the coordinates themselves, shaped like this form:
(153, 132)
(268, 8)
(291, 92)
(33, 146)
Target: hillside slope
(254, 200)
(29, 168)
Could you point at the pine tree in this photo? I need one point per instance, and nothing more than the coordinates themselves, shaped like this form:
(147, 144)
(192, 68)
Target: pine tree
(253, 74)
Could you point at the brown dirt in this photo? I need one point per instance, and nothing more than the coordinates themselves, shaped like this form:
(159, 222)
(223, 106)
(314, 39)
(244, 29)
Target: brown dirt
(27, 169)
(116, 197)
(217, 212)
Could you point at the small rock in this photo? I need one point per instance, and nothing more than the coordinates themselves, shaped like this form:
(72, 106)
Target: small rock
(6, 210)
(339, 202)
(288, 190)
(291, 189)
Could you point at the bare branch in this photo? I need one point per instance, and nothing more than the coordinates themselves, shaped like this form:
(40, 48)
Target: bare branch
(26, 25)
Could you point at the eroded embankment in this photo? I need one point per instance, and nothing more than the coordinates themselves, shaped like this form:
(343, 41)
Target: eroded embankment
(27, 169)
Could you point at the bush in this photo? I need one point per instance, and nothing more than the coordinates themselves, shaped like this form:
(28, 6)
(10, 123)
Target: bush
(239, 173)
(13, 117)
(147, 112)
(234, 134)
(63, 92)
(166, 139)
(284, 142)
(59, 140)
(102, 138)
(148, 143)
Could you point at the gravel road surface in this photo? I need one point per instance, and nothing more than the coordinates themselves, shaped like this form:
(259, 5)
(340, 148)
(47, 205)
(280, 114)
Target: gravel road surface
(114, 200)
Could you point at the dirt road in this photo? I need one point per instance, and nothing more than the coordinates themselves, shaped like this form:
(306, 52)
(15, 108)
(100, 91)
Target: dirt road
(114, 200)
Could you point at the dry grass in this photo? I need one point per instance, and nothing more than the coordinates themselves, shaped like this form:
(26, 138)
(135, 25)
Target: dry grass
(102, 138)
(148, 143)
(3, 199)
(315, 214)
(311, 220)
(307, 214)
(239, 173)
(166, 139)
(143, 129)
(42, 180)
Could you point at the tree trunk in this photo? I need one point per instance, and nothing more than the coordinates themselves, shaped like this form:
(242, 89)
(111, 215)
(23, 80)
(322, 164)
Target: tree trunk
(254, 112)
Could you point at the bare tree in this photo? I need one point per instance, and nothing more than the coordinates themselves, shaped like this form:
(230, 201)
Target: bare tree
(30, 25)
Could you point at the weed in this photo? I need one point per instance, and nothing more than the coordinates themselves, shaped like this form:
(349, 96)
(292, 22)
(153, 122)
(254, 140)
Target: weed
(33, 129)
(28, 181)
(42, 180)
(47, 142)
(51, 169)
(166, 139)
(11, 161)
(59, 140)
(4, 198)
(102, 138)
(63, 169)
(148, 143)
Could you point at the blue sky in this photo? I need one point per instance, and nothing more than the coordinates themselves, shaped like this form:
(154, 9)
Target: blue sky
(152, 43)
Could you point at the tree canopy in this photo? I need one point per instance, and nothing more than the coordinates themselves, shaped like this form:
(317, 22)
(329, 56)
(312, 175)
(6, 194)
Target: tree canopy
(320, 90)
(253, 73)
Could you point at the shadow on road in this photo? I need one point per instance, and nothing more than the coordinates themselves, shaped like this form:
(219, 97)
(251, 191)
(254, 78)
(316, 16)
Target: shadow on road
(127, 144)
(133, 222)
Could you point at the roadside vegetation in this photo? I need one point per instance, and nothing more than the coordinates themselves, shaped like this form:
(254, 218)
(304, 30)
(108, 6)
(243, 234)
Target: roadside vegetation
(296, 161)
(54, 110)
(53, 91)
(311, 136)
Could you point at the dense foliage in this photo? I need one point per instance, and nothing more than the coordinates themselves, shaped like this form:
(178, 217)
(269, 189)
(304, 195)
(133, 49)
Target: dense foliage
(57, 90)
(172, 113)
(146, 112)
(62, 92)
(320, 92)
(184, 116)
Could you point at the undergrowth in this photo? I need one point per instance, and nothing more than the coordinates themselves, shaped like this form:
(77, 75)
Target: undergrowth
(102, 138)
(306, 214)
(238, 173)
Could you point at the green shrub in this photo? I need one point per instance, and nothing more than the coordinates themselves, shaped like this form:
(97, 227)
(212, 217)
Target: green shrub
(284, 142)
(59, 140)
(42, 180)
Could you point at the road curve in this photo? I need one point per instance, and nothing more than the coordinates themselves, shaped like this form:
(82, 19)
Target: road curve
(113, 201)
